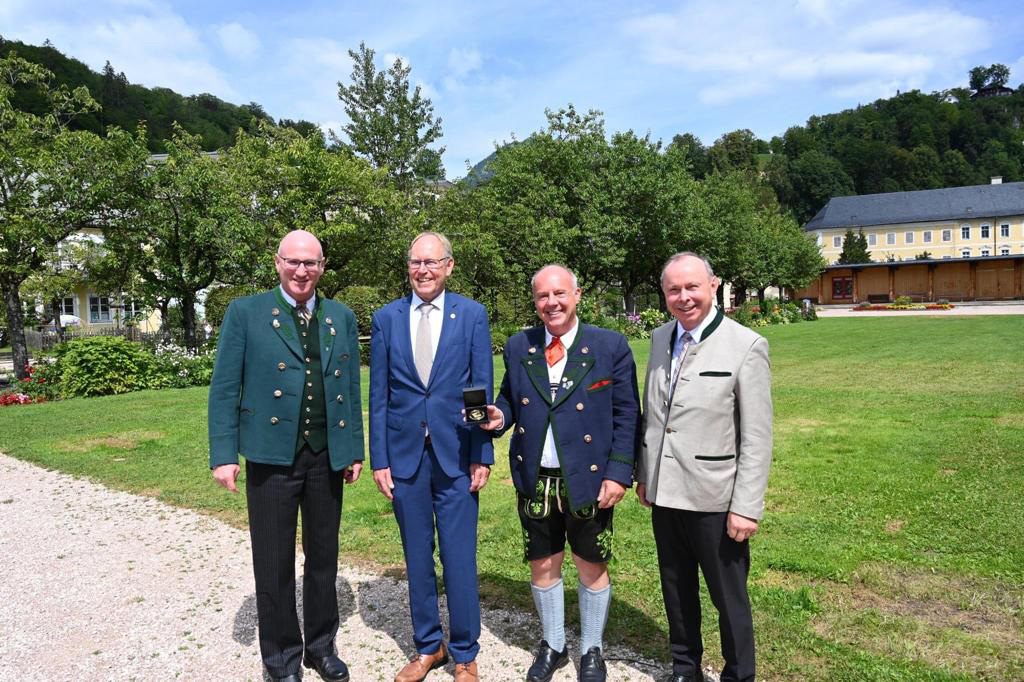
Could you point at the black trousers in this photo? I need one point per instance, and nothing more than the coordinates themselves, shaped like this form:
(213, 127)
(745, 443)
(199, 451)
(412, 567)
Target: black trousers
(686, 540)
(275, 495)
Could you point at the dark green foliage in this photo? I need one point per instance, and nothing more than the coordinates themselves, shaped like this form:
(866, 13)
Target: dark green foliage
(103, 365)
(219, 298)
(126, 105)
(363, 300)
(855, 248)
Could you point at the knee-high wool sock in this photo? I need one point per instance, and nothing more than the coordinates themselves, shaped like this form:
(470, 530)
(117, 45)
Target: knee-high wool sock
(550, 603)
(593, 616)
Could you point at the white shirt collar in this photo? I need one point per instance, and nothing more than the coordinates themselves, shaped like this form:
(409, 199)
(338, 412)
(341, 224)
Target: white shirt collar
(438, 301)
(293, 303)
(696, 333)
(567, 338)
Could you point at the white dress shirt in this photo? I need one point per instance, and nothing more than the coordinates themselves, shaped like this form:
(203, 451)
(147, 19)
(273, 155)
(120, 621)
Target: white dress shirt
(293, 303)
(677, 349)
(436, 317)
(549, 456)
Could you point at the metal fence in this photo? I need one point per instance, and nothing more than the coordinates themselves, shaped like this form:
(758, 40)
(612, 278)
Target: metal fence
(43, 341)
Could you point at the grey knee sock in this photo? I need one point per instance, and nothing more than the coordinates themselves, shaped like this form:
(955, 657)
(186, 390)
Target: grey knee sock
(550, 603)
(593, 615)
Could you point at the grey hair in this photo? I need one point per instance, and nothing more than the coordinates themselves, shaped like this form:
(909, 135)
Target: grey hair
(575, 282)
(684, 254)
(446, 245)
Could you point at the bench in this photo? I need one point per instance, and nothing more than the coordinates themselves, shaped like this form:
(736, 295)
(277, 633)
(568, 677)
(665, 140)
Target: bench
(878, 298)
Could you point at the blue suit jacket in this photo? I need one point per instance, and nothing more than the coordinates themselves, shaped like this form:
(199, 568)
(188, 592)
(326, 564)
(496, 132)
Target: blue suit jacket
(595, 415)
(401, 407)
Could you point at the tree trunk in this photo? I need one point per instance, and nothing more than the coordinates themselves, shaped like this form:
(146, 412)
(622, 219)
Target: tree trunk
(15, 328)
(58, 324)
(760, 300)
(164, 304)
(721, 296)
(739, 293)
(188, 318)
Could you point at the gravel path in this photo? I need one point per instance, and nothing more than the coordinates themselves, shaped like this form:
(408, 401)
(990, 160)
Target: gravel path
(97, 584)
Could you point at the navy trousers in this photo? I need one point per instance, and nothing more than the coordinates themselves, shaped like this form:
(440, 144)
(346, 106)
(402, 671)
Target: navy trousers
(429, 500)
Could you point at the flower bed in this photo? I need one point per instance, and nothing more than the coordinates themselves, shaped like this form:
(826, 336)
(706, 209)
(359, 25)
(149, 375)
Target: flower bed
(912, 306)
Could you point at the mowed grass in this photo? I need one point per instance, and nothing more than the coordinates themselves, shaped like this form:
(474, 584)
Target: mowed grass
(892, 547)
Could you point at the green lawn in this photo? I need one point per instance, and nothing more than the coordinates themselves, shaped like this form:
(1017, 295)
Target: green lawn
(892, 547)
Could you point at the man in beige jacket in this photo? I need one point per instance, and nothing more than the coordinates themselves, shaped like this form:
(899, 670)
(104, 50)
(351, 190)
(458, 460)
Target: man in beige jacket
(704, 464)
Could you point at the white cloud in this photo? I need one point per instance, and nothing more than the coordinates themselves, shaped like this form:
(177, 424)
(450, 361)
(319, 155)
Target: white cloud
(840, 48)
(462, 62)
(238, 41)
(392, 57)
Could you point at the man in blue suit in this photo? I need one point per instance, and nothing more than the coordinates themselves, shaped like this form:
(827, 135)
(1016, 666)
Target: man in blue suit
(425, 348)
(570, 392)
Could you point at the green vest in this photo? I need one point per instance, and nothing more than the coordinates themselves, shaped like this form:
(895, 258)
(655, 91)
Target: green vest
(312, 411)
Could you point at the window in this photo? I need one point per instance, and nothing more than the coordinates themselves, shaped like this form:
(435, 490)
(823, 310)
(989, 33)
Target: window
(67, 305)
(986, 252)
(872, 239)
(1004, 230)
(1005, 251)
(947, 235)
(908, 237)
(842, 287)
(890, 238)
(985, 232)
(132, 309)
(965, 232)
(966, 253)
(927, 236)
(837, 242)
(99, 308)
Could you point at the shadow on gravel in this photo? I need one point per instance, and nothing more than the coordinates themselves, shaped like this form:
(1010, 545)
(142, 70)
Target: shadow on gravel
(384, 606)
(244, 629)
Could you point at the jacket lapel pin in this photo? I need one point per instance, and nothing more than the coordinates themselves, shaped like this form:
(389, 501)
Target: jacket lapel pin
(275, 312)
(328, 320)
(333, 332)
(276, 324)
(533, 349)
(452, 316)
(584, 350)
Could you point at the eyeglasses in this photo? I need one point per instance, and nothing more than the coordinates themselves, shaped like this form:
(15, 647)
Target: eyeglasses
(294, 263)
(430, 263)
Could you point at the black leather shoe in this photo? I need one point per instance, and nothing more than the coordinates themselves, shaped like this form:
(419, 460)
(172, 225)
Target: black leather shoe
(546, 663)
(680, 677)
(330, 668)
(287, 678)
(592, 666)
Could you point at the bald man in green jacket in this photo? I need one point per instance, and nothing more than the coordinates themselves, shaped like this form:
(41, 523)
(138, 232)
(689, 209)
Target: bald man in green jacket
(285, 395)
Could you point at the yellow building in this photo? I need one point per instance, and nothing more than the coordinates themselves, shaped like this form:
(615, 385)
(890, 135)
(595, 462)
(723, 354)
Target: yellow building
(955, 222)
(974, 237)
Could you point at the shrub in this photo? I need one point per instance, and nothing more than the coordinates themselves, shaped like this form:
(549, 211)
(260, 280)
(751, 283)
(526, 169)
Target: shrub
(41, 383)
(363, 301)
(103, 365)
(177, 367)
(217, 301)
(500, 334)
(903, 300)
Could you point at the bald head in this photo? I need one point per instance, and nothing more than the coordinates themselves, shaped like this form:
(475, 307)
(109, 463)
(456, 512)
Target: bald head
(555, 295)
(554, 269)
(299, 262)
(299, 239)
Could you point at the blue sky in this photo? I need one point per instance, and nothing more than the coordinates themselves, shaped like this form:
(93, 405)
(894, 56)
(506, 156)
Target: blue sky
(492, 68)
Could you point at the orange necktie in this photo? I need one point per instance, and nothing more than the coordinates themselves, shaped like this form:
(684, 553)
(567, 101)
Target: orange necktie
(554, 352)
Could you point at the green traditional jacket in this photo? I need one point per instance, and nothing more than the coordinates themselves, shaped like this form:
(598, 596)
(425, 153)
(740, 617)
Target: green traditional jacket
(260, 383)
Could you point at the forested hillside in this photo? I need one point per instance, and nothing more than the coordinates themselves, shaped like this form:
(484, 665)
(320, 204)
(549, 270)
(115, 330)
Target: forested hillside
(913, 140)
(126, 105)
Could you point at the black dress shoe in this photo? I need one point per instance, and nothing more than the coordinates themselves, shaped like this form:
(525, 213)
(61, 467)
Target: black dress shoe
(288, 678)
(592, 666)
(689, 677)
(546, 663)
(330, 668)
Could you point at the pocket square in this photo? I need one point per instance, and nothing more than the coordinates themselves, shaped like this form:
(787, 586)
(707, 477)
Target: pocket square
(716, 374)
(599, 384)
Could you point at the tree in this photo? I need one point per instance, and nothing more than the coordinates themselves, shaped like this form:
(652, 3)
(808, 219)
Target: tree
(994, 76)
(855, 248)
(956, 172)
(182, 231)
(737, 150)
(53, 181)
(695, 153)
(387, 125)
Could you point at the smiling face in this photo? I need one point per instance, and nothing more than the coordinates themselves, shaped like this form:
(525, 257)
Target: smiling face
(299, 247)
(689, 291)
(555, 298)
(427, 282)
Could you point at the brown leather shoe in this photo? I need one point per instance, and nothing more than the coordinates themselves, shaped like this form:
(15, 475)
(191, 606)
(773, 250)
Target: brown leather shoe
(416, 670)
(466, 672)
